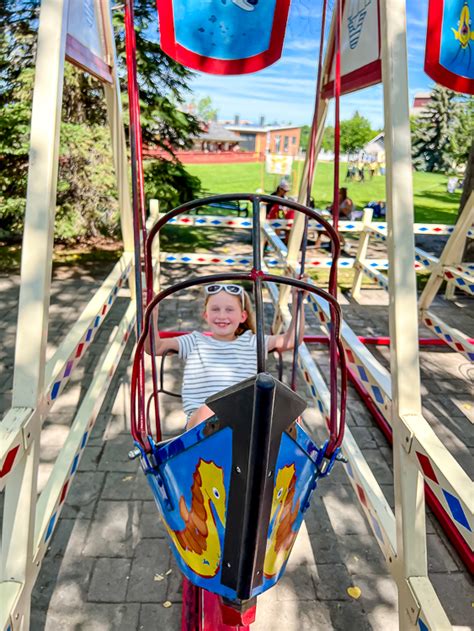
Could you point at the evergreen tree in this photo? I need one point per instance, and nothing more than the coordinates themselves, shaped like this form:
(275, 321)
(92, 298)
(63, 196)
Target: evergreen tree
(86, 201)
(431, 143)
(463, 132)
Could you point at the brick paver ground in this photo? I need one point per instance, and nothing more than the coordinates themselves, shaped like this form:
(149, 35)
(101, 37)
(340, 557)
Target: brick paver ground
(109, 567)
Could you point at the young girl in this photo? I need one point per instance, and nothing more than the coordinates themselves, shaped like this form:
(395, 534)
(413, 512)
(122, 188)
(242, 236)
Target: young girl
(228, 355)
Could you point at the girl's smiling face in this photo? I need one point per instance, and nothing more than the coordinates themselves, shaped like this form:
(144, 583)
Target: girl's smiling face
(223, 314)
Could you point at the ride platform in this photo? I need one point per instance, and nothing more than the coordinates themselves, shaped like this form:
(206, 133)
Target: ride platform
(109, 566)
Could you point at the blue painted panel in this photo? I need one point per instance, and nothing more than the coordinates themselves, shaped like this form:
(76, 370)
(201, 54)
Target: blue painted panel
(224, 29)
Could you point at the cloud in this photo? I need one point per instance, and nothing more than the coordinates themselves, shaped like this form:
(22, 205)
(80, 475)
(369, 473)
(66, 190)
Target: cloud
(302, 44)
(286, 90)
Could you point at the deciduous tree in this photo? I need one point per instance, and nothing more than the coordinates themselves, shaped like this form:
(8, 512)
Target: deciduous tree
(355, 133)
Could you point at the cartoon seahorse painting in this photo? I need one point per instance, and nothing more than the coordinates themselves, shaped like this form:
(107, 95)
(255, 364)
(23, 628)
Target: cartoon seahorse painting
(282, 518)
(198, 542)
(463, 33)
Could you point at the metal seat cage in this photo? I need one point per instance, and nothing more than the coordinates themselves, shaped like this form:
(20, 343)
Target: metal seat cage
(140, 425)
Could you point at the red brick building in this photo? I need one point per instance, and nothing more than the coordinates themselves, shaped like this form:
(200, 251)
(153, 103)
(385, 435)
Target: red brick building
(283, 139)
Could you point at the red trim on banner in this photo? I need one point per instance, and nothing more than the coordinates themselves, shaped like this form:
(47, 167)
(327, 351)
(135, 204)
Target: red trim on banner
(433, 68)
(364, 77)
(222, 66)
(81, 56)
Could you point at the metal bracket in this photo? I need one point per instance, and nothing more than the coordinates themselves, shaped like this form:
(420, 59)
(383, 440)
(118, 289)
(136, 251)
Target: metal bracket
(413, 607)
(407, 432)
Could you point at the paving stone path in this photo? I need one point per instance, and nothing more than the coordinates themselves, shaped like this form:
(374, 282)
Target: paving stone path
(109, 567)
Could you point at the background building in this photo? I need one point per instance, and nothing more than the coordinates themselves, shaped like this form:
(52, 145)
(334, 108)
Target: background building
(215, 137)
(263, 138)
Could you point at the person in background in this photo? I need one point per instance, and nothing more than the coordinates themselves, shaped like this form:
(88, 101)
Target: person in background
(372, 169)
(346, 211)
(346, 205)
(275, 211)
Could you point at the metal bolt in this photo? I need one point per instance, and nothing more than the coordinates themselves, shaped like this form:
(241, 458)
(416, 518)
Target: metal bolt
(238, 469)
(270, 473)
(228, 564)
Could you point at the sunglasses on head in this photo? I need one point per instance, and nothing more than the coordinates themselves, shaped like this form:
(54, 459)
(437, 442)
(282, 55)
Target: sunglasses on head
(233, 290)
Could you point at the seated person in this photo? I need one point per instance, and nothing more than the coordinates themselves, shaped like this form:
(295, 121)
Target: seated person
(229, 354)
(346, 205)
(378, 209)
(275, 211)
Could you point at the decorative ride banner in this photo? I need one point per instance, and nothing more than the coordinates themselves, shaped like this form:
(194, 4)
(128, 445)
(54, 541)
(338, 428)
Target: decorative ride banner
(361, 65)
(449, 57)
(85, 43)
(223, 36)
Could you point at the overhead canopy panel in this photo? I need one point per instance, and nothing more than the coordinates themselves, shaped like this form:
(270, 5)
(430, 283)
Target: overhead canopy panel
(223, 36)
(449, 56)
(361, 65)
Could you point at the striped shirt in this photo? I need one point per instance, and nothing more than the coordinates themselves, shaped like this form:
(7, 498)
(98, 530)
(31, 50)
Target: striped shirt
(212, 365)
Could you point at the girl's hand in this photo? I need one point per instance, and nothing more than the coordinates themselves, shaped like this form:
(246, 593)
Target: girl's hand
(295, 290)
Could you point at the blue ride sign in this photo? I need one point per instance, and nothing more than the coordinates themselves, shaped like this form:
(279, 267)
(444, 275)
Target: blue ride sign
(449, 57)
(223, 36)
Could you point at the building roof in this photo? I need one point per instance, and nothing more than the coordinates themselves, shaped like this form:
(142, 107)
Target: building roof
(215, 132)
(423, 95)
(378, 139)
(257, 129)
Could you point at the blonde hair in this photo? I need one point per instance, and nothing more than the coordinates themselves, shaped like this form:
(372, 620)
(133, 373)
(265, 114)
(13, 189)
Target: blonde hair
(249, 323)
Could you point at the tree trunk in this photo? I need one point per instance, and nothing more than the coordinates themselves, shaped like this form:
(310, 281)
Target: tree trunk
(466, 191)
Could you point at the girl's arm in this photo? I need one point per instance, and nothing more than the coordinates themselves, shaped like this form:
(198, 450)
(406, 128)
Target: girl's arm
(286, 341)
(162, 346)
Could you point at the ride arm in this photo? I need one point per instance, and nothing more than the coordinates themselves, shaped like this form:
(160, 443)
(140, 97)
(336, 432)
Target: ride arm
(286, 341)
(162, 346)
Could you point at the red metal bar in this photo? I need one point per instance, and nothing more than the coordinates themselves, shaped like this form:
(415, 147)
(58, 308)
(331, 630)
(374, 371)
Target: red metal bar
(335, 434)
(138, 200)
(214, 614)
(191, 614)
(379, 341)
(309, 183)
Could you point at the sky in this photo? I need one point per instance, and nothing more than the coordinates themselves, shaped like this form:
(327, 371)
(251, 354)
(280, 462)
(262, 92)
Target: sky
(285, 91)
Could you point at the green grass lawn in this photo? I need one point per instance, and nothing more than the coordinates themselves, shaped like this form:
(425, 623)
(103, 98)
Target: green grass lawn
(433, 204)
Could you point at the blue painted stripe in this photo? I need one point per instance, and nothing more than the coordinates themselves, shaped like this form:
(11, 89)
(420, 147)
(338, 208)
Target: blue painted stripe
(84, 440)
(50, 527)
(55, 390)
(74, 464)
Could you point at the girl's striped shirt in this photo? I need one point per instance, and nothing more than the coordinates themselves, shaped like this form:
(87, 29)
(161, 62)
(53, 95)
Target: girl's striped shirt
(212, 365)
